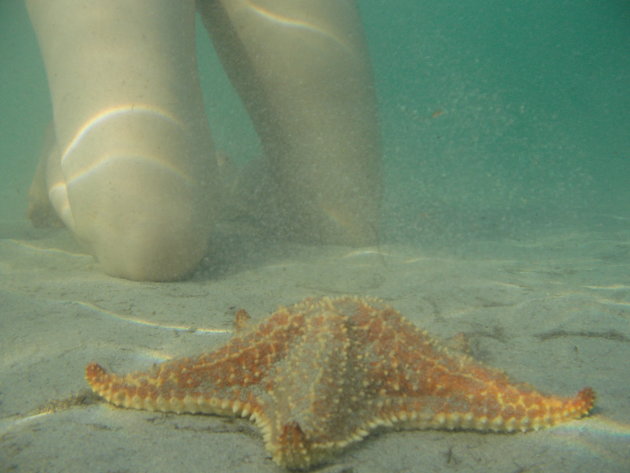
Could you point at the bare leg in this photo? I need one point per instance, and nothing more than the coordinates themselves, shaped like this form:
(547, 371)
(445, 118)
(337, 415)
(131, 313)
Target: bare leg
(302, 69)
(132, 175)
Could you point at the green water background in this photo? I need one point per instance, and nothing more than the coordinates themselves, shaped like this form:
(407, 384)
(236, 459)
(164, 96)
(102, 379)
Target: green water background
(498, 117)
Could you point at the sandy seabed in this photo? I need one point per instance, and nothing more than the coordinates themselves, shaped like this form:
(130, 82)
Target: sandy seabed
(552, 310)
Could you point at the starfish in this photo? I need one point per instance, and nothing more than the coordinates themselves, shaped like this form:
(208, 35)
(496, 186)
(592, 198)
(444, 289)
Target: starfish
(319, 375)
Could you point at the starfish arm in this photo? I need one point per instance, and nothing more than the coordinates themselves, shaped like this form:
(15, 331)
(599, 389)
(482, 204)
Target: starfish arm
(508, 410)
(156, 392)
(312, 392)
(462, 393)
(419, 383)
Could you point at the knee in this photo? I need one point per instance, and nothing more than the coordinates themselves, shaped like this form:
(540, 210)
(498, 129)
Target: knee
(153, 252)
(161, 237)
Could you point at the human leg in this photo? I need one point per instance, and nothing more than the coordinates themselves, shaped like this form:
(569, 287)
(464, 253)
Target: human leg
(302, 69)
(131, 175)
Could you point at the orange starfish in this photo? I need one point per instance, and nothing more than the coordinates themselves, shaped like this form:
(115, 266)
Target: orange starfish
(321, 374)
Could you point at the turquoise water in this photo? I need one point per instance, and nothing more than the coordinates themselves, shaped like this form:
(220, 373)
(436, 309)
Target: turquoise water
(506, 111)
(532, 103)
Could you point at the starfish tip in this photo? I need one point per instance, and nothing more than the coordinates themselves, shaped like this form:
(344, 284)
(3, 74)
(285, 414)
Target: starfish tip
(93, 372)
(586, 397)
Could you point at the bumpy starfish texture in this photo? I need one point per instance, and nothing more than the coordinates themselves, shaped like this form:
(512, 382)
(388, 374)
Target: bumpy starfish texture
(321, 374)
